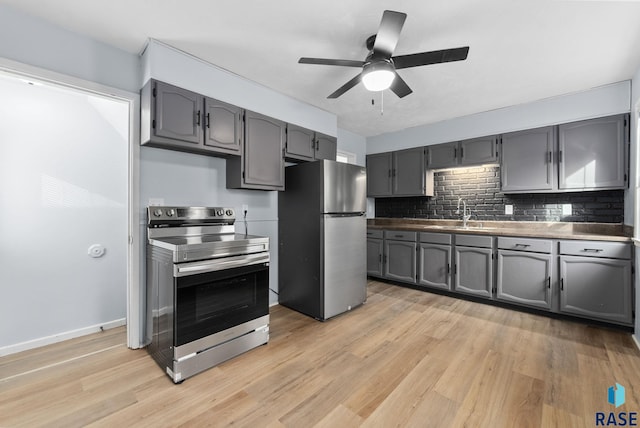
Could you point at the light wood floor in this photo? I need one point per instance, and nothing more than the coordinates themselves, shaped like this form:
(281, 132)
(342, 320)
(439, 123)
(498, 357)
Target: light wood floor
(406, 358)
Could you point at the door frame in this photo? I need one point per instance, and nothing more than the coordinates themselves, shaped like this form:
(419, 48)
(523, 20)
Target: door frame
(134, 219)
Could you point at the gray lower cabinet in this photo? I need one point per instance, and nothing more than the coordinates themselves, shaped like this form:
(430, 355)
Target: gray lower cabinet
(525, 272)
(261, 165)
(595, 285)
(473, 265)
(375, 252)
(434, 260)
(400, 256)
(306, 145)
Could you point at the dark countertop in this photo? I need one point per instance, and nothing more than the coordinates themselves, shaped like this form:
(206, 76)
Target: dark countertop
(531, 229)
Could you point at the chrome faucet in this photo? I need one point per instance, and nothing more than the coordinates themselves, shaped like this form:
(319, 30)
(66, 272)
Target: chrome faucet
(465, 216)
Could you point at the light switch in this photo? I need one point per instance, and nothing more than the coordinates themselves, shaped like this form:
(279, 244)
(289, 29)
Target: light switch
(508, 209)
(566, 209)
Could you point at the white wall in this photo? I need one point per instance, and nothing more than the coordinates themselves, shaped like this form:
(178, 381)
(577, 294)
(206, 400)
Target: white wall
(33, 41)
(354, 143)
(188, 179)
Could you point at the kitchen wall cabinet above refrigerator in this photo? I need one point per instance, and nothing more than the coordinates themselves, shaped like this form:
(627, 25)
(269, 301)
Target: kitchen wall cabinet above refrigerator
(401, 173)
(306, 145)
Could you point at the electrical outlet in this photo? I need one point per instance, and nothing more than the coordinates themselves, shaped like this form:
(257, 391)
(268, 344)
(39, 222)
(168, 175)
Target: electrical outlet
(566, 209)
(508, 209)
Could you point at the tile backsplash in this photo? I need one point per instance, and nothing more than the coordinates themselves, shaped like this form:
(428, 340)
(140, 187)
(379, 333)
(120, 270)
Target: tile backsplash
(480, 188)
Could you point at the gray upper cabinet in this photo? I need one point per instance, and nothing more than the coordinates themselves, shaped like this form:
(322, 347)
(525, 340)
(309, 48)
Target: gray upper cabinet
(479, 151)
(261, 165)
(379, 168)
(306, 145)
(170, 117)
(594, 284)
(442, 155)
(177, 119)
(591, 154)
(586, 155)
(475, 151)
(525, 272)
(528, 160)
(223, 126)
(326, 147)
(401, 173)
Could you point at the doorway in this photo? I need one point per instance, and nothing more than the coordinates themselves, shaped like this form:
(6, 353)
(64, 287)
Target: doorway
(67, 221)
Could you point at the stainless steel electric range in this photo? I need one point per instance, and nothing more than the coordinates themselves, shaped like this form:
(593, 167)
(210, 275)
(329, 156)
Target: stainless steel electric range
(207, 289)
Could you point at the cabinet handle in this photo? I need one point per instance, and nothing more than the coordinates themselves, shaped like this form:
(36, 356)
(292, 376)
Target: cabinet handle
(384, 259)
(523, 245)
(198, 118)
(380, 258)
(592, 250)
(455, 153)
(389, 173)
(561, 283)
(399, 236)
(317, 145)
(208, 120)
(448, 268)
(455, 269)
(550, 157)
(549, 282)
(393, 174)
(560, 156)
(461, 152)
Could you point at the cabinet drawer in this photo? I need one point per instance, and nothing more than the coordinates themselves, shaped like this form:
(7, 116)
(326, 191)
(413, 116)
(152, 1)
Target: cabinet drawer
(612, 250)
(400, 235)
(375, 233)
(435, 238)
(474, 241)
(525, 244)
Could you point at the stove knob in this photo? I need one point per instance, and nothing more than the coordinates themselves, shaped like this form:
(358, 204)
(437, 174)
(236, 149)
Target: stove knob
(157, 212)
(229, 213)
(220, 213)
(171, 213)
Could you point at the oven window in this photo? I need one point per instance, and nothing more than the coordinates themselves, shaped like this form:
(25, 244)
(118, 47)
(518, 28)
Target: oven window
(212, 302)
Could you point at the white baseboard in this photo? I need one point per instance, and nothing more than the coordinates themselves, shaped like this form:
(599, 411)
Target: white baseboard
(36, 343)
(635, 340)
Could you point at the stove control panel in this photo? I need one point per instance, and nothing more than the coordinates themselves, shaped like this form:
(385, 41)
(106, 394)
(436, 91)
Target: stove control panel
(165, 216)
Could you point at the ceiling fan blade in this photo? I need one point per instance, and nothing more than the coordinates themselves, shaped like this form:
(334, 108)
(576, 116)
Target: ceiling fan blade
(389, 32)
(344, 88)
(324, 61)
(400, 87)
(433, 57)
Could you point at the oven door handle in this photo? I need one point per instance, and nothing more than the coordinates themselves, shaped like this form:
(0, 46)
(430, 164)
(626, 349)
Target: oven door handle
(204, 266)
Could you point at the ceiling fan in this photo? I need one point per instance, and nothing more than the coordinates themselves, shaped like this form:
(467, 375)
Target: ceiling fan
(379, 67)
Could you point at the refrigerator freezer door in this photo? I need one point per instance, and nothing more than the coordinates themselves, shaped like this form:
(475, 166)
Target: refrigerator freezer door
(345, 276)
(345, 187)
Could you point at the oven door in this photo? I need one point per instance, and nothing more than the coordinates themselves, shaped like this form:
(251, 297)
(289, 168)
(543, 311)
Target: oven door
(215, 295)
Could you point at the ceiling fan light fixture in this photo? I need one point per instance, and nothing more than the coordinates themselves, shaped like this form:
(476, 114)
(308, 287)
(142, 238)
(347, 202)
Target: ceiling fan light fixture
(378, 75)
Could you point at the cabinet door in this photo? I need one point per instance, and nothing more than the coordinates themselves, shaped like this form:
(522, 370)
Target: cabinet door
(434, 266)
(479, 151)
(592, 154)
(408, 173)
(379, 174)
(263, 152)
(326, 147)
(473, 271)
(400, 260)
(527, 161)
(374, 257)
(223, 127)
(300, 143)
(596, 288)
(524, 278)
(442, 155)
(178, 115)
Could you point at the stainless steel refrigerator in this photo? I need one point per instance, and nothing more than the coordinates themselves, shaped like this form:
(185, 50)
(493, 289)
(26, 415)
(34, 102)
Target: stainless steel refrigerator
(322, 238)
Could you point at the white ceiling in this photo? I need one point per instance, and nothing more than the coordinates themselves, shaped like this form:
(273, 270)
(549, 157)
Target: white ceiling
(520, 50)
